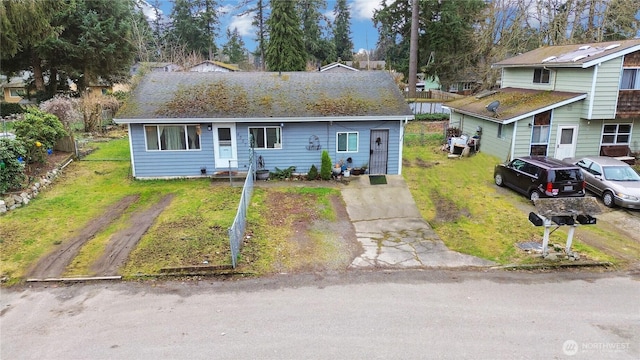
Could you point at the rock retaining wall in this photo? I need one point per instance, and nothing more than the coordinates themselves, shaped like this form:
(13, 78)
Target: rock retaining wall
(13, 201)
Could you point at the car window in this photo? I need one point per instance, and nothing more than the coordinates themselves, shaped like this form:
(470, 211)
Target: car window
(530, 169)
(567, 175)
(620, 173)
(517, 164)
(584, 163)
(595, 169)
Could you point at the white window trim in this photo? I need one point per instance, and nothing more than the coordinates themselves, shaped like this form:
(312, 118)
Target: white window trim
(264, 128)
(615, 135)
(357, 141)
(157, 126)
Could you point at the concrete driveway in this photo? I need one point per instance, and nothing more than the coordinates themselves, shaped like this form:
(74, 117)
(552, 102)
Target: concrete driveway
(391, 230)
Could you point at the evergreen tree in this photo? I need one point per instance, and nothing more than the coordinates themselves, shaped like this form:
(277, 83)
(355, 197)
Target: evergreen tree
(342, 32)
(195, 24)
(285, 49)
(318, 48)
(234, 48)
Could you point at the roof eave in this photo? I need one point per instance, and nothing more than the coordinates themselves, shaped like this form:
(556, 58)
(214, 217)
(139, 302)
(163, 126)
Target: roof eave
(525, 115)
(263, 120)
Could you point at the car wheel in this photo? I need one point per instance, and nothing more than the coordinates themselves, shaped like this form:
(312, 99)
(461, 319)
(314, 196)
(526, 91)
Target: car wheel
(534, 195)
(607, 199)
(499, 180)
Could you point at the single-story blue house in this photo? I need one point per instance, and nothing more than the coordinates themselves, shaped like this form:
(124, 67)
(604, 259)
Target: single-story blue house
(185, 124)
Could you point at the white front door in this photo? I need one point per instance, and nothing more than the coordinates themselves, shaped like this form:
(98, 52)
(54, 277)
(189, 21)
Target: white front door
(566, 141)
(224, 146)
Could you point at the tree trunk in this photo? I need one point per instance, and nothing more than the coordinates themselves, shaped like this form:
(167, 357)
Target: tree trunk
(38, 78)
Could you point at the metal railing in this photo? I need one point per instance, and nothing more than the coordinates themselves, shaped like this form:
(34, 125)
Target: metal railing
(237, 229)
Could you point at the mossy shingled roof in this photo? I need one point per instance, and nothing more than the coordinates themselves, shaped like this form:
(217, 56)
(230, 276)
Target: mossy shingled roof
(514, 102)
(264, 95)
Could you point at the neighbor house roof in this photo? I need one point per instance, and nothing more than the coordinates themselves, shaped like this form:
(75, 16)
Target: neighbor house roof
(576, 55)
(513, 103)
(220, 64)
(260, 96)
(337, 65)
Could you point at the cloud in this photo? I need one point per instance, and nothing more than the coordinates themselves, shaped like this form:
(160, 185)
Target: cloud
(243, 23)
(363, 9)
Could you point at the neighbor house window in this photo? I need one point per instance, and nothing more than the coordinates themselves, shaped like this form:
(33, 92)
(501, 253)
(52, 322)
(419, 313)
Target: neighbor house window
(616, 134)
(541, 76)
(268, 137)
(630, 79)
(347, 142)
(172, 137)
(16, 92)
(540, 133)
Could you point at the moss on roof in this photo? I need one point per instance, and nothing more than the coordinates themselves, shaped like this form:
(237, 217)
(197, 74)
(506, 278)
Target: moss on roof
(259, 94)
(513, 102)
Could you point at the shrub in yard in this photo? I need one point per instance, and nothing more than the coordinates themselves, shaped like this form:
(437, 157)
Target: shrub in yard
(325, 166)
(38, 131)
(313, 173)
(11, 169)
(67, 109)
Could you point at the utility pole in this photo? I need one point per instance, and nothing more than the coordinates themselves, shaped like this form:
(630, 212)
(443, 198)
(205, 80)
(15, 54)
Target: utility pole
(413, 50)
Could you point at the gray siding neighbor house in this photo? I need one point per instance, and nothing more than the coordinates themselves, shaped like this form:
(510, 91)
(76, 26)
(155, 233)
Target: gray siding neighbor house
(186, 124)
(559, 101)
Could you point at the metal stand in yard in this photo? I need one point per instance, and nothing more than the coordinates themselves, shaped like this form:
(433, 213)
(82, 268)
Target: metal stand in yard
(563, 211)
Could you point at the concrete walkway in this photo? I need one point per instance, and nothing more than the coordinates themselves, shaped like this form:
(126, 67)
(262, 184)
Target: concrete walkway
(391, 230)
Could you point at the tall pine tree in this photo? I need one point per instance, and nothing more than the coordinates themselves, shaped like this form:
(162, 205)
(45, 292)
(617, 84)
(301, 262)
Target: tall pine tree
(234, 48)
(342, 32)
(285, 49)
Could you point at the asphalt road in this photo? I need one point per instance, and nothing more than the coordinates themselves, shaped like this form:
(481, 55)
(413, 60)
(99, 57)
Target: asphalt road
(355, 315)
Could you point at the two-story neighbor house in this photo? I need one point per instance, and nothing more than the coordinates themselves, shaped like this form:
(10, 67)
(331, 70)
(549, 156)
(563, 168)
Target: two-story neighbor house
(189, 124)
(559, 101)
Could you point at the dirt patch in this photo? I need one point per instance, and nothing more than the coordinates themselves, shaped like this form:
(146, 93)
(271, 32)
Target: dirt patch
(446, 210)
(54, 264)
(123, 242)
(315, 243)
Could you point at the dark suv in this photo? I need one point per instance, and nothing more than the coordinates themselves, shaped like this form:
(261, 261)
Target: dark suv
(540, 176)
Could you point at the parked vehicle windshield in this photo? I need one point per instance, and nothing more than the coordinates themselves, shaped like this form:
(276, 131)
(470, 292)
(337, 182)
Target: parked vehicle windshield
(620, 173)
(567, 175)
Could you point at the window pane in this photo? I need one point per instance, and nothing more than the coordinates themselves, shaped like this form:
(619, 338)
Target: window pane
(224, 134)
(353, 142)
(172, 138)
(608, 139)
(628, 78)
(624, 128)
(151, 133)
(342, 142)
(610, 129)
(545, 76)
(258, 137)
(273, 137)
(566, 136)
(622, 139)
(193, 133)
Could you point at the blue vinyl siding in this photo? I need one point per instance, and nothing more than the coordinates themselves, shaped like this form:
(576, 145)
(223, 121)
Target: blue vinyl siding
(160, 164)
(296, 150)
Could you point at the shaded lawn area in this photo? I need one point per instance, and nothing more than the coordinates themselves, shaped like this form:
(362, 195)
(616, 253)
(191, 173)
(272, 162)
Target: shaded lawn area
(469, 213)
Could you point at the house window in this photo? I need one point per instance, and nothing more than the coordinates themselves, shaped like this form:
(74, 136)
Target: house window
(347, 142)
(540, 133)
(616, 134)
(16, 92)
(172, 137)
(630, 79)
(541, 76)
(268, 137)
(467, 86)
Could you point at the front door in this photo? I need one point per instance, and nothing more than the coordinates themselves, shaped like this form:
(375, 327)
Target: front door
(224, 146)
(566, 141)
(378, 153)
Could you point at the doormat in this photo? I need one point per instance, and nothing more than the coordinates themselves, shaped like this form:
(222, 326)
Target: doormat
(377, 179)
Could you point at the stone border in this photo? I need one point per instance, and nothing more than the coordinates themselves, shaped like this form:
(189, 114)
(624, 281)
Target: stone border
(14, 201)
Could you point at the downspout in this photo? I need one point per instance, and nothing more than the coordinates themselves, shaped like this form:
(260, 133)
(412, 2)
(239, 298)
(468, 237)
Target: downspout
(402, 125)
(513, 141)
(133, 164)
(592, 95)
